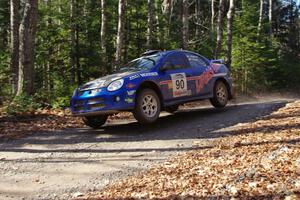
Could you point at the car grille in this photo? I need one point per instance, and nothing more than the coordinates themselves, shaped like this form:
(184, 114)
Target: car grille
(96, 106)
(79, 102)
(78, 108)
(95, 100)
(90, 104)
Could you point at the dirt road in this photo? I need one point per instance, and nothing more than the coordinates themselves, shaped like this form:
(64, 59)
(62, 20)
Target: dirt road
(61, 165)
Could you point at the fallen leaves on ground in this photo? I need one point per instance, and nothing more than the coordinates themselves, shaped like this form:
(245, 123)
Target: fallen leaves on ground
(259, 160)
(121, 116)
(45, 120)
(42, 120)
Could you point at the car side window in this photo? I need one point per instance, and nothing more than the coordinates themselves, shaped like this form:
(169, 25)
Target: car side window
(196, 61)
(176, 61)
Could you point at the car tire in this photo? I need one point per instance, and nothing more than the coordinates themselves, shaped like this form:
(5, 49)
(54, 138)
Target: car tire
(147, 107)
(95, 122)
(172, 109)
(221, 95)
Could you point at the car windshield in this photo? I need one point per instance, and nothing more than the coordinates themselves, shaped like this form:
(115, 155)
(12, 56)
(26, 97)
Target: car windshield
(143, 63)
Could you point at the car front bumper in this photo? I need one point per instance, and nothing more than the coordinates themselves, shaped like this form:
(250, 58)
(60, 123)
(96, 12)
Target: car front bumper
(89, 103)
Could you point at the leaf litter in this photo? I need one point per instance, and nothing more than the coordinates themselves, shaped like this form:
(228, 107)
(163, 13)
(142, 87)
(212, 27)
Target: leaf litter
(256, 160)
(43, 121)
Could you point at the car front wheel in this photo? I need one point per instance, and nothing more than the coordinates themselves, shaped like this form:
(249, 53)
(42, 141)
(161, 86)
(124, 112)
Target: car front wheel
(220, 97)
(95, 121)
(147, 107)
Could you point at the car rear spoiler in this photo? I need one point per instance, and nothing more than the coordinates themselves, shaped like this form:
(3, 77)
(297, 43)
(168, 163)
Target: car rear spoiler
(219, 61)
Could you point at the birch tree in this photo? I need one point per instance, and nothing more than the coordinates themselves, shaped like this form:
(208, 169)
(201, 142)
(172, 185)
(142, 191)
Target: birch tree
(48, 82)
(27, 47)
(160, 35)
(261, 7)
(103, 31)
(150, 27)
(198, 13)
(230, 16)
(270, 16)
(185, 24)
(167, 10)
(220, 28)
(72, 39)
(120, 34)
(14, 45)
(212, 15)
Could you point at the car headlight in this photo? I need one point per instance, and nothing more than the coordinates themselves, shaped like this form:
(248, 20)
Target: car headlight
(115, 85)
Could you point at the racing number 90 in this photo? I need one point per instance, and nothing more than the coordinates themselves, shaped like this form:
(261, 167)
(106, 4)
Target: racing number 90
(179, 84)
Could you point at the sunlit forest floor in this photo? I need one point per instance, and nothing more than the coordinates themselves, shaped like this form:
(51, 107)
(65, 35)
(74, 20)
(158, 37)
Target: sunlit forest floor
(258, 160)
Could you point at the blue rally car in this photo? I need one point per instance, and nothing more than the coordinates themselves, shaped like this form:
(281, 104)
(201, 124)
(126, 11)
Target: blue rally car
(158, 80)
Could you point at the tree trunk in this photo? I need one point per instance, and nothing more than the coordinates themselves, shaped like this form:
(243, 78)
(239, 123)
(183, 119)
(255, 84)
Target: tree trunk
(198, 19)
(270, 16)
(259, 27)
(75, 33)
(159, 33)
(220, 28)
(212, 16)
(128, 33)
(49, 61)
(138, 29)
(103, 32)
(120, 35)
(230, 16)
(27, 47)
(72, 40)
(150, 28)
(14, 45)
(185, 24)
(167, 10)
(78, 67)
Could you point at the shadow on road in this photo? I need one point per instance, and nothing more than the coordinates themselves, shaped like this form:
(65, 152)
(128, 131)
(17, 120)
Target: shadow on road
(185, 124)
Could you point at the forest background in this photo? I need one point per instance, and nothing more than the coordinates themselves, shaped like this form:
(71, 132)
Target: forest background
(49, 47)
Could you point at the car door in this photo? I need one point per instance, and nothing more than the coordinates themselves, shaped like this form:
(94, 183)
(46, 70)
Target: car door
(201, 73)
(174, 77)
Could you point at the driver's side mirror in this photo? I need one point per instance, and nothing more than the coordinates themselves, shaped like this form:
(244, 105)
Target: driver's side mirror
(166, 66)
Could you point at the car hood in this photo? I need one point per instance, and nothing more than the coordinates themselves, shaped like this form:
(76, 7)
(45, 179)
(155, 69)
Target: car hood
(106, 80)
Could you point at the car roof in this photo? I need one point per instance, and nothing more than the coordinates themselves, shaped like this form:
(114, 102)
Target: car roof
(166, 52)
(181, 51)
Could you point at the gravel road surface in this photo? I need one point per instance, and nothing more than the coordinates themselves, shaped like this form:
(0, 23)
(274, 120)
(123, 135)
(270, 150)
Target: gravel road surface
(62, 165)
